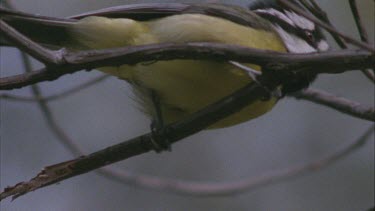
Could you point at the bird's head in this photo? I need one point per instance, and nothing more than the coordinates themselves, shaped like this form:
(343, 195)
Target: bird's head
(299, 34)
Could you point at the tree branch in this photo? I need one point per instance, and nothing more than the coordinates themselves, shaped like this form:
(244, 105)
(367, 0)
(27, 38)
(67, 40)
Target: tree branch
(144, 143)
(244, 185)
(55, 96)
(53, 174)
(327, 62)
(338, 103)
(71, 62)
(362, 33)
(42, 54)
(358, 21)
(318, 12)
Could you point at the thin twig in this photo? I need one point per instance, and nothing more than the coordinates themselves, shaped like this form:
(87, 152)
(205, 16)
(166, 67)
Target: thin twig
(362, 33)
(338, 103)
(55, 96)
(369, 74)
(47, 114)
(316, 10)
(358, 21)
(17, 98)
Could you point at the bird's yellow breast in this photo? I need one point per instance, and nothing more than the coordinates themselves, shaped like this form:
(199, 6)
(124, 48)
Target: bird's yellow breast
(183, 86)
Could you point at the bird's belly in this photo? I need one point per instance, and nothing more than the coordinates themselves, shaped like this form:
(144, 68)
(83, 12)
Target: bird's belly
(186, 86)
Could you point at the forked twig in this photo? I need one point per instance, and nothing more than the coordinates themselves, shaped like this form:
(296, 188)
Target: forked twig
(42, 54)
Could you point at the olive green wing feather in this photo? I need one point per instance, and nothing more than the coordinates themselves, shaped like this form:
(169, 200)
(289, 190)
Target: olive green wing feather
(53, 31)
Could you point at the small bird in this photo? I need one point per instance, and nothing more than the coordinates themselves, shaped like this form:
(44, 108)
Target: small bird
(172, 90)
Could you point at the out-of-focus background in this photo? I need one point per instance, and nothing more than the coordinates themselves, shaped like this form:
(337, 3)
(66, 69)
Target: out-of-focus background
(294, 132)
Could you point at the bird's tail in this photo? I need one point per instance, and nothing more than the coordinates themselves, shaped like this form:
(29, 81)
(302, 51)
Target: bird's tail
(45, 30)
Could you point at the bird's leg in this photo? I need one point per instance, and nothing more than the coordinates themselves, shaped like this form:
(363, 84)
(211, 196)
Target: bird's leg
(159, 139)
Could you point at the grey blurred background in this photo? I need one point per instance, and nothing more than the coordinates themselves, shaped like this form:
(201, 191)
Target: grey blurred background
(294, 132)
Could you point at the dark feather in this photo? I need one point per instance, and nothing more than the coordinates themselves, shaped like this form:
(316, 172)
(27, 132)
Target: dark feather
(53, 30)
(148, 11)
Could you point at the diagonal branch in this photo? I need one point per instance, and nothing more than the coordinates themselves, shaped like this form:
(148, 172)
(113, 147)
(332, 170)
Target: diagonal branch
(53, 174)
(249, 184)
(42, 54)
(338, 103)
(144, 143)
(358, 21)
(318, 12)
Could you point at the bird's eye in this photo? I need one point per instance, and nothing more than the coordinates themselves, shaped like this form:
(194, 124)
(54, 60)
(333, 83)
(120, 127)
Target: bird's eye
(309, 36)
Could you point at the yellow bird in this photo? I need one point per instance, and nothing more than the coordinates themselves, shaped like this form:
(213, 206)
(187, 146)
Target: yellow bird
(182, 86)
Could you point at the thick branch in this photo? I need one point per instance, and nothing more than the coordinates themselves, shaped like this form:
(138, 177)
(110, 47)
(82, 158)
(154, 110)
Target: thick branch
(61, 171)
(144, 143)
(328, 62)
